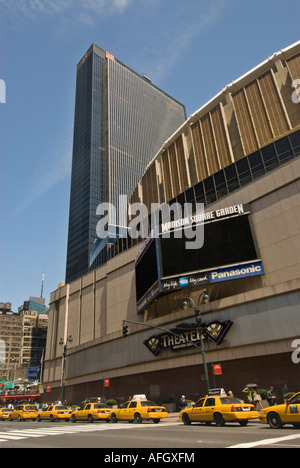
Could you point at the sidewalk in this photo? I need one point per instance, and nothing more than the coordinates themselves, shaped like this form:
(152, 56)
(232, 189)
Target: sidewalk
(172, 417)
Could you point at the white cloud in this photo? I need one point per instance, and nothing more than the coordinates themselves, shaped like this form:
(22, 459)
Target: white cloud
(183, 26)
(37, 8)
(55, 169)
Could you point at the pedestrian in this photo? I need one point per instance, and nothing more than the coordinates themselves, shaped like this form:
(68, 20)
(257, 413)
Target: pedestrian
(230, 394)
(257, 400)
(271, 398)
(182, 403)
(249, 394)
(285, 390)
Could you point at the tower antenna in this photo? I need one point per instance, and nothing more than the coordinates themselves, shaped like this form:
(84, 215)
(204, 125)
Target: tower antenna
(42, 288)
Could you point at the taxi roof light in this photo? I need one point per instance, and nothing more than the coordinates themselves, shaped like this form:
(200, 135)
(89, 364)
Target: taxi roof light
(141, 397)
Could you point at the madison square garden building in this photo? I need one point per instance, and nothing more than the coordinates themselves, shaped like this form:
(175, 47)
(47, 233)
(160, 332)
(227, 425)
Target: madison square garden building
(239, 156)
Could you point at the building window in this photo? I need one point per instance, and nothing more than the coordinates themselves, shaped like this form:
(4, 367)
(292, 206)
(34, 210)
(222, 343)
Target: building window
(270, 158)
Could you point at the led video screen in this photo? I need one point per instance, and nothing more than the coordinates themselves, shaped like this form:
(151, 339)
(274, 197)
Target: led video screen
(165, 264)
(226, 242)
(146, 270)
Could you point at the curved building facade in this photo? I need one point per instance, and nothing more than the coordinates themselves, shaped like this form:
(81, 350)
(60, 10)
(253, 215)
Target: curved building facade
(246, 116)
(239, 156)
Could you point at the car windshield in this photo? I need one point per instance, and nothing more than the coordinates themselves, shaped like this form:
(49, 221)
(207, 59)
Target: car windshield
(60, 408)
(124, 405)
(100, 405)
(295, 400)
(148, 403)
(229, 401)
(30, 408)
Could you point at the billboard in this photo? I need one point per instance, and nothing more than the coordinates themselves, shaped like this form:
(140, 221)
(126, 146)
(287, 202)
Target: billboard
(229, 252)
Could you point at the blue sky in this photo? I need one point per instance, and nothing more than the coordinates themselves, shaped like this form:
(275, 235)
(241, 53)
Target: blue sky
(190, 48)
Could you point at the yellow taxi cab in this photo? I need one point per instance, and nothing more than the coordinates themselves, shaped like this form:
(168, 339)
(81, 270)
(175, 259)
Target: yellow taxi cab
(55, 412)
(24, 412)
(220, 410)
(139, 409)
(4, 413)
(279, 415)
(92, 412)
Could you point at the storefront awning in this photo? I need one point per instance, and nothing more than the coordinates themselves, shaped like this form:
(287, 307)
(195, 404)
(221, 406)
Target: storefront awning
(25, 397)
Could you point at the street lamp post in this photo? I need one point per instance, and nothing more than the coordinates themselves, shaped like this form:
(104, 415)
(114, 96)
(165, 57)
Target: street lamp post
(65, 345)
(203, 299)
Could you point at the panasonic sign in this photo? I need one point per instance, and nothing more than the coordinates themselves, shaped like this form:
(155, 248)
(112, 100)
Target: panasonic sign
(236, 272)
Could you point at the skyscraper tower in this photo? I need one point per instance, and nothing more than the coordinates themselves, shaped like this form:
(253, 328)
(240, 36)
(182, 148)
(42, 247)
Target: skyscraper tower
(121, 121)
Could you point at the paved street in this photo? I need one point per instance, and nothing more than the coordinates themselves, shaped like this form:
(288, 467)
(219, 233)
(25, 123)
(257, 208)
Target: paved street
(169, 434)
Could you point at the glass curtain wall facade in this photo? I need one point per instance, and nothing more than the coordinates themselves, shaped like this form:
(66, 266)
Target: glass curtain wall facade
(140, 118)
(88, 164)
(121, 121)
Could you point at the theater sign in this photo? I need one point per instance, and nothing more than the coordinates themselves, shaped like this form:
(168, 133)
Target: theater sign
(187, 336)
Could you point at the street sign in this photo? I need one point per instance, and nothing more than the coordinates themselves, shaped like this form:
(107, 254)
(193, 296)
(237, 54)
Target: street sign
(217, 369)
(106, 383)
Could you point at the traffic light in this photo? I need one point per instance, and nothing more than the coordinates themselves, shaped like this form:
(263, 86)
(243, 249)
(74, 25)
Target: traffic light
(125, 330)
